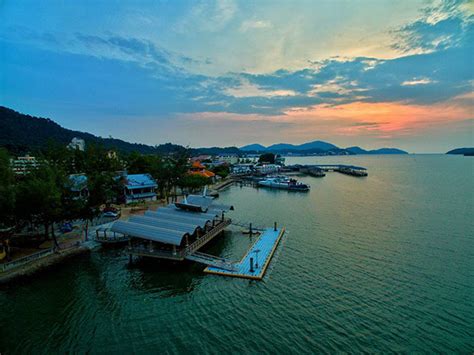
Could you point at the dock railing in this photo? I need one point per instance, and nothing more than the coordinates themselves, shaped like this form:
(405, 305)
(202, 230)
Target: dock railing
(206, 237)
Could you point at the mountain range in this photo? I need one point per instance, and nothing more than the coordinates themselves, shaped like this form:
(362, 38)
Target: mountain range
(316, 147)
(21, 133)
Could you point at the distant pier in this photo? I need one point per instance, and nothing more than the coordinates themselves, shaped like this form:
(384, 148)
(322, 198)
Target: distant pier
(319, 170)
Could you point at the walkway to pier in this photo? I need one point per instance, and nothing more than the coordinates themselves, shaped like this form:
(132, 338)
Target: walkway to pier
(212, 260)
(261, 253)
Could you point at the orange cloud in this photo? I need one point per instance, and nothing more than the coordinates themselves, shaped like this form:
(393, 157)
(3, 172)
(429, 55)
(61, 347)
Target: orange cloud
(385, 118)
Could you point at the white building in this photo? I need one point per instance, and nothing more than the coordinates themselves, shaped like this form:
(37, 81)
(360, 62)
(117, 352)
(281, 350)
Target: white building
(268, 168)
(242, 168)
(23, 165)
(229, 158)
(77, 143)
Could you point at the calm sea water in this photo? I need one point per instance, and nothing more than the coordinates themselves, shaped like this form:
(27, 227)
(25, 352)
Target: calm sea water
(377, 264)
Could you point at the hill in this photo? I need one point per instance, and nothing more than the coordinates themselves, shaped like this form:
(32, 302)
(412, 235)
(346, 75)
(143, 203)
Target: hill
(316, 148)
(462, 151)
(359, 150)
(22, 133)
(253, 147)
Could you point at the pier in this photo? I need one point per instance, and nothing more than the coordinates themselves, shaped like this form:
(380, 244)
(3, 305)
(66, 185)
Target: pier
(255, 262)
(178, 231)
(319, 170)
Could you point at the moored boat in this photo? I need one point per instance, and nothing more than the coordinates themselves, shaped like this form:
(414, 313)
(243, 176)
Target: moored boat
(282, 182)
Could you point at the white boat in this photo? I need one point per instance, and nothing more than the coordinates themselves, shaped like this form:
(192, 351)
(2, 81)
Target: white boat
(283, 182)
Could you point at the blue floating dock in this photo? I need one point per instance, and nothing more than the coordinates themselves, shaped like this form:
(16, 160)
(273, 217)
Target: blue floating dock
(266, 243)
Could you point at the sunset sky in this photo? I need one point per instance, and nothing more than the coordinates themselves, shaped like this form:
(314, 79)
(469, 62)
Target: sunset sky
(379, 73)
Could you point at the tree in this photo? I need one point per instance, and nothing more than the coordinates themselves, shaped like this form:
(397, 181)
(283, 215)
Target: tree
(7, 194)
(221, 170)
(38, 200)
(267, 158)
(193, 182)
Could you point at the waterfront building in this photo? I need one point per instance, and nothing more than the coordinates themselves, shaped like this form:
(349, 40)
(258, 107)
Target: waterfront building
(138, 187)
(176, 231)
(77, 143)
(23, 165)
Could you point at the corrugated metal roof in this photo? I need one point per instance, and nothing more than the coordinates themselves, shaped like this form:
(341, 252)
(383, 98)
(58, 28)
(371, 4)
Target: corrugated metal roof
(168, 224)
(148, 232)
(139, 181)
(174, 210)
(200, 200)
(207, 202)
(201, 222)
(165, 223)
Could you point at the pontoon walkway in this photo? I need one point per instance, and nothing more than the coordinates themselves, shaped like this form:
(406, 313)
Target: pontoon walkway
(261, 254)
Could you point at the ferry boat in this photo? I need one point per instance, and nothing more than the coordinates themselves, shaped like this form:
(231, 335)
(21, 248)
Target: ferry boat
(282, 182)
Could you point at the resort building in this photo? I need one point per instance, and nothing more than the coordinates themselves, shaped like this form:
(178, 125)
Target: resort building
(77, 143)
(176, 231)
(138, 187)
(23, 165)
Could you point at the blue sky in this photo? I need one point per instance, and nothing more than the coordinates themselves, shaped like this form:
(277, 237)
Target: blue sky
(225, 72)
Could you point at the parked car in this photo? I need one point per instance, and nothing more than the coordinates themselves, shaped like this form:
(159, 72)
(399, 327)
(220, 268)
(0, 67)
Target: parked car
(111, 214)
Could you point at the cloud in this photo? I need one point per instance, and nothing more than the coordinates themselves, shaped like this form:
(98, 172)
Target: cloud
(207, 16)
(448, 24)
(254, 25)
(418, 81)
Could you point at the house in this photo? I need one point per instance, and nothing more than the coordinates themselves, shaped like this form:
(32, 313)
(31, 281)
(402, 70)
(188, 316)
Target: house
(198, 169)
(78, 186)
(138, 187)
(77, 143)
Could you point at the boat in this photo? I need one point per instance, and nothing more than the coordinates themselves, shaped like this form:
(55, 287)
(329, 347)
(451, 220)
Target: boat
(283, 182)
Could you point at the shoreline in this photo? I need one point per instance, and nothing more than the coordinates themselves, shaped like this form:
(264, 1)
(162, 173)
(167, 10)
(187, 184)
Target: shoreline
(41, 264)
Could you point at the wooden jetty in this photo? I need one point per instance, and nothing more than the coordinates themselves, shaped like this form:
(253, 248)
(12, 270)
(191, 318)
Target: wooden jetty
(255, 262)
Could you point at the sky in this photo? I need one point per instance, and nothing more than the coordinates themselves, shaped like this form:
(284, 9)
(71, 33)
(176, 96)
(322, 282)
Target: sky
(372, 73)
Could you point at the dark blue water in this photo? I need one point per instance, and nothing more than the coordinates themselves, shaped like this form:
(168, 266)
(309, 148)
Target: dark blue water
(376, 264)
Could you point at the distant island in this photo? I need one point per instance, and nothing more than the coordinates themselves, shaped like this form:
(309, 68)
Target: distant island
(316, 148)
(462, 151)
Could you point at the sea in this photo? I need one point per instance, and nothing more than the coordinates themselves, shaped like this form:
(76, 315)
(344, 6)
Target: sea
(376, 264)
